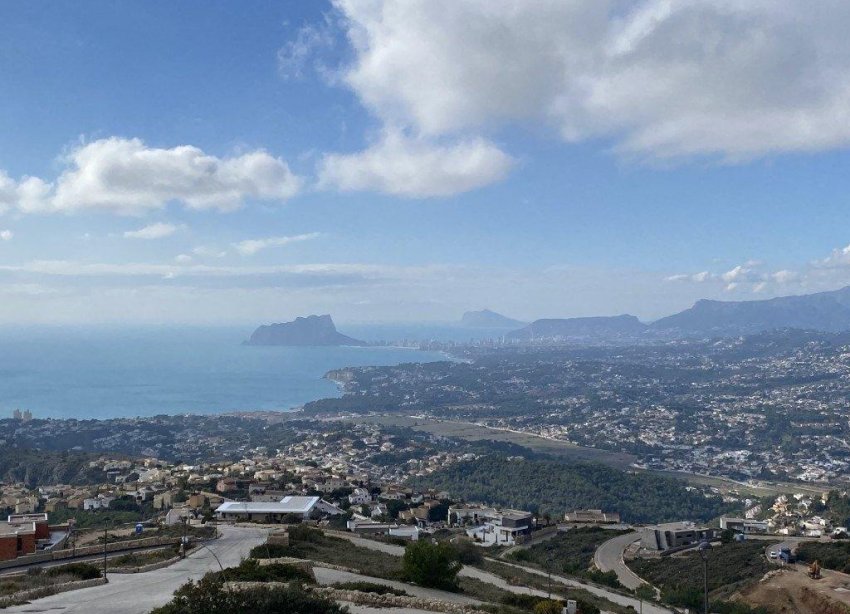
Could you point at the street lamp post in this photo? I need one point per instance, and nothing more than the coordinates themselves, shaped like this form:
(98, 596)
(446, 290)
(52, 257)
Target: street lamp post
(703, 549)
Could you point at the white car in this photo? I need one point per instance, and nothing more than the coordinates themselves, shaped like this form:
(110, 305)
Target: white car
(773, 554)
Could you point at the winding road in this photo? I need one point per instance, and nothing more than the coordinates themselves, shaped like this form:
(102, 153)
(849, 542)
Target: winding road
(609, 557)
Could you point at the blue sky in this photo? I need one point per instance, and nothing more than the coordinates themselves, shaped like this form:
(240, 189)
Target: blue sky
(388, 161)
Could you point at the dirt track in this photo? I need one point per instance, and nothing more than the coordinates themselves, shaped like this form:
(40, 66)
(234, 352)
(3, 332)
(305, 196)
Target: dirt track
(791, 591)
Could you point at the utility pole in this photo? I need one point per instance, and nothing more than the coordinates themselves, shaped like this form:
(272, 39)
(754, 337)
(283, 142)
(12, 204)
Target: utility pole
(703, 549)
(104, 551)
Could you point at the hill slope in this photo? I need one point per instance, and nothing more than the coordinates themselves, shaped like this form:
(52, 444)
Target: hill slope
(824, 311)
(488, 319)
(555, 487)
(603, 327)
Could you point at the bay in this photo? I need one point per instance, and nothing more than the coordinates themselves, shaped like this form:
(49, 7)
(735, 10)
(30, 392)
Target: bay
(119, 372)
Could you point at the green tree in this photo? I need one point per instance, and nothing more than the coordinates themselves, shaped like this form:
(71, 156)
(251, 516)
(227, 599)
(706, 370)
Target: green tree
(432, 565)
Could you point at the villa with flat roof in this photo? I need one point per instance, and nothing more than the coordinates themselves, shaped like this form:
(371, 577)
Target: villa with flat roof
(275, 511)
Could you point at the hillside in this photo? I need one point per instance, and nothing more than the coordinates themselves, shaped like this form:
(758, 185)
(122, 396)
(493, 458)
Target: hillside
(39, 467)
(603, 327)
(823, 311)
(309, 331)
(554, 487)
(488, 319)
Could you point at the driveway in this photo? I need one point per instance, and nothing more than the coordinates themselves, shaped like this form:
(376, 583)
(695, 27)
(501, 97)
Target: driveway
(140, 593)
(609, 557)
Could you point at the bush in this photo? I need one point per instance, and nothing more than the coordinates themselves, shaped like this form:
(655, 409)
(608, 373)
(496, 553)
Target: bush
(82, 571)
(521, 600)
(432, 565)
(548, 606)
(467, 552)
(303, 533)
(208, 596)
(251, 571)
(369, 587)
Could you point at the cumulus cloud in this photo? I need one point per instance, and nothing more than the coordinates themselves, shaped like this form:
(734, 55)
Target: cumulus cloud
(252, 246)
(735, 79)
(6, 235)
(153, 231)
(128, 177)
(410, 167)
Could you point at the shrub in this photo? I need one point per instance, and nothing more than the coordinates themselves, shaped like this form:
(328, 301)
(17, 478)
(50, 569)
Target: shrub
(303, 533)
(521, 600)
(548, 606)
(467, 552)
(431, 565)
(208, 596)
(83, 571)
(251, 571)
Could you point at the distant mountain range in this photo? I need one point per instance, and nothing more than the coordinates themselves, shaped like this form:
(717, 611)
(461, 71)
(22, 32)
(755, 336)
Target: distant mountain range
(488, 319)
(579, 328)
(824, 311)
(312, 330)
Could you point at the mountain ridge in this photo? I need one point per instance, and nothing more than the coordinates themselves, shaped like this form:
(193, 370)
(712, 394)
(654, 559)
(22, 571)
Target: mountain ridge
(486, 318)
(312, 330)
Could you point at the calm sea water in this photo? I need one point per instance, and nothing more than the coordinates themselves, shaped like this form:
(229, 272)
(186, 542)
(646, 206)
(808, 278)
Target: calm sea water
(106, 373)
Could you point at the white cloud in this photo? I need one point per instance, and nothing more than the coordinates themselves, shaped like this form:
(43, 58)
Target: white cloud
(153, 231)
(296, 56)
(252, 246)
(416, 168)
(6, 235)
(126, 176)
(183, 259)
(208, 252)
(659, 78)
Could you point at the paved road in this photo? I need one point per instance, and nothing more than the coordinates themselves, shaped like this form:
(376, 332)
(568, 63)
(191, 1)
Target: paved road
(623, 600)
(500, 582)
(609, 556)
(139, 593)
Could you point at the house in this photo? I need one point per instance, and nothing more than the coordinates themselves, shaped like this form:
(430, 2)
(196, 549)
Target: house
(100, 502)
(743, 525)
(39, 522)
(368, 527)
(305, 507)
(490, 526)
(16, 540)
(177, 515)
(674, 535)
(360, 496)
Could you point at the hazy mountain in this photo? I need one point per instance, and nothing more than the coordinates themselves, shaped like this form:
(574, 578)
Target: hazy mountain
(824, 311)
(312, 330)
(488, 319)
(595, 327)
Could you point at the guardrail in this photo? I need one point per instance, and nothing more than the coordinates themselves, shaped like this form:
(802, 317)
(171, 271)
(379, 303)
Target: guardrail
(70, 553)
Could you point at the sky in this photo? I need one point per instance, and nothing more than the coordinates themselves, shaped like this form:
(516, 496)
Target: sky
(395, 161)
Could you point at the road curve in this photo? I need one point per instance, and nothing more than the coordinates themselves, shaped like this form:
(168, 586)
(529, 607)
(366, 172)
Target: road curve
(140, 593)
(609, 557)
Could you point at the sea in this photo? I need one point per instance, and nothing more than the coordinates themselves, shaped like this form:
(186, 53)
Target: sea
(110, 372)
